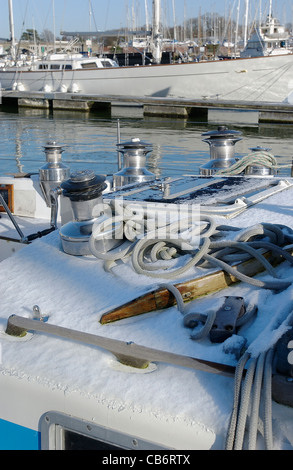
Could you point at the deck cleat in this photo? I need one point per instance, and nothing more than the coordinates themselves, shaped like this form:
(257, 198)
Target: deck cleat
(220, 324)
(226, 319)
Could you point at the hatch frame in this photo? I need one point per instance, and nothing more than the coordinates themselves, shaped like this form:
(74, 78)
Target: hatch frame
(54, 425)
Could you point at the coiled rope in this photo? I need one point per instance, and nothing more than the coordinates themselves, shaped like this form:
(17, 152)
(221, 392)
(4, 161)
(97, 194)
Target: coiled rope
(153, 253)
(261, 158)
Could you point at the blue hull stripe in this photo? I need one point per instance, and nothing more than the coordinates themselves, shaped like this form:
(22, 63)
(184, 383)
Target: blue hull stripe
(15, 437)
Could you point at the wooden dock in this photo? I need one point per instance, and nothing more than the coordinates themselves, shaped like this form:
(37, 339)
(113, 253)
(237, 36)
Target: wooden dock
(148, 106)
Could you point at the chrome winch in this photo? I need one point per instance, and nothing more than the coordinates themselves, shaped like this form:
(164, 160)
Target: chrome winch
(134, 163)
(222, 149)
(54, 171)
(84, 189)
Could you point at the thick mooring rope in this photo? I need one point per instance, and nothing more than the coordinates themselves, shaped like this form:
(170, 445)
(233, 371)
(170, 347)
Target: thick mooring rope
(248, 392)
(260, 159)
(251, 415)
(152, 252)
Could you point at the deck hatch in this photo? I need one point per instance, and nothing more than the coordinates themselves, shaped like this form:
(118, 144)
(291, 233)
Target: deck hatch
(64, 432)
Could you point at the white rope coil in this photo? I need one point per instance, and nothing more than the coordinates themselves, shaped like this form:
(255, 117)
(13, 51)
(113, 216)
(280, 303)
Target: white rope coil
(203, 244)
(253, 159)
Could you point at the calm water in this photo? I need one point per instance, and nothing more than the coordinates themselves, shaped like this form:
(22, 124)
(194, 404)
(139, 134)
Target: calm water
(89, 140)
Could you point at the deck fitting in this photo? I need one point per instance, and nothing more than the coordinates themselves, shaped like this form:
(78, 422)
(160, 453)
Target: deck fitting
(13, 330)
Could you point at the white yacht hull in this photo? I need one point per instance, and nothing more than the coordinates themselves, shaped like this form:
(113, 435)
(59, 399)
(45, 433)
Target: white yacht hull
(261, 79)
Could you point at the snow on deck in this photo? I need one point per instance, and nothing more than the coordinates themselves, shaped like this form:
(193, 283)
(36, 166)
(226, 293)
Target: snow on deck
(75, 291)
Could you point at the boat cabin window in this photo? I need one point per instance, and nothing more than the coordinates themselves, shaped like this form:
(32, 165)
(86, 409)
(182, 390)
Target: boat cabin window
(43, 67)
(55, 66)
(106, 63)
(89, 65)
(67, 67)
(253, 45)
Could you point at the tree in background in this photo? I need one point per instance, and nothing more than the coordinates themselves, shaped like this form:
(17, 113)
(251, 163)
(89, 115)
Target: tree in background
(30, 35)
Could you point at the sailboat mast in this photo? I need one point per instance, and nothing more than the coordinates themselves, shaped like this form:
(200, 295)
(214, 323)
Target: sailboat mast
(236, 28)
(246, 22)
(156, 36)
(270, 10)
(174, 20)
(12, 36)
(54, 26)
(146, 15)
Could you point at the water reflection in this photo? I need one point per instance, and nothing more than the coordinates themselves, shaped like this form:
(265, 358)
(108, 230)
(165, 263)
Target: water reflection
(18, 153)
(90, 140)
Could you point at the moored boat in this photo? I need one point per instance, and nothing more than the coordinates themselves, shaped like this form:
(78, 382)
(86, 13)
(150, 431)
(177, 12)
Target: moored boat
(270, 38)
(260, 79)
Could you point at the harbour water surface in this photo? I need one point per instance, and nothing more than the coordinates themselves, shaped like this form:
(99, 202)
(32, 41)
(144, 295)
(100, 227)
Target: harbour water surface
(89, 140)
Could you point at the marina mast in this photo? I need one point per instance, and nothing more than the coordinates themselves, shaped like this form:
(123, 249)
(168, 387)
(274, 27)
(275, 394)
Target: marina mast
(246, 22)
(12, 34)
(156, 34)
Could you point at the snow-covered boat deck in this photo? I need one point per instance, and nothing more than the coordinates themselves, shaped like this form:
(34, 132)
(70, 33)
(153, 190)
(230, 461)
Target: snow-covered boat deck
(46, 381)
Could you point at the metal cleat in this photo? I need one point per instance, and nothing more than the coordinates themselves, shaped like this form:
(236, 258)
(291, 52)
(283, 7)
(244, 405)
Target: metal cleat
(221, 324)
(225, 322)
